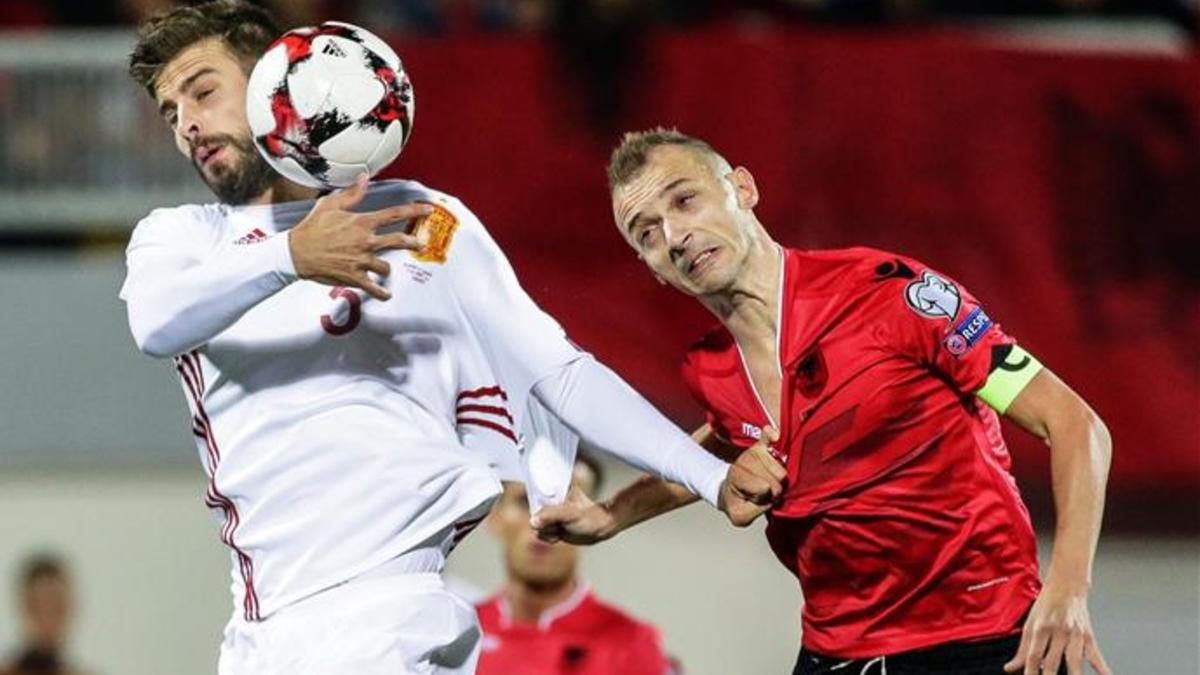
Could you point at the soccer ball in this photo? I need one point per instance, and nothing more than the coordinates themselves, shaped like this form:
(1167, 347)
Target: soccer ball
(327, 103)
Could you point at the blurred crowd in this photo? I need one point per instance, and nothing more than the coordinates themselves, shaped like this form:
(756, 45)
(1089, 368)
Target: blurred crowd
(439, 17)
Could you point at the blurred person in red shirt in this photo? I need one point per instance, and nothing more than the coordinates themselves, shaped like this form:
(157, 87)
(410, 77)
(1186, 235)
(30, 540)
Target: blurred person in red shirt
(546, 619)
(47, 604)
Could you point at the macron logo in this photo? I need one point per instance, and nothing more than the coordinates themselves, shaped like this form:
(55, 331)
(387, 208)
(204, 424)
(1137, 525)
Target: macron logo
(252, 237)
(751, 431)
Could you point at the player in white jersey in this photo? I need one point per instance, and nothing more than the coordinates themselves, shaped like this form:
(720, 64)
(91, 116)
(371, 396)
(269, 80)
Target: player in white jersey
(355, 385)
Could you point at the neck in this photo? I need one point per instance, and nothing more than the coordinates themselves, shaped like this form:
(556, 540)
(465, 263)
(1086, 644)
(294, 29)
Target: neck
(748, 307)
(284, 190)
(528, 601)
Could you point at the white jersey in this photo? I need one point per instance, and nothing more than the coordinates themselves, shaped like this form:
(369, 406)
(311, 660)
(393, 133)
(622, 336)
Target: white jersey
(332, 425)
(340, 431)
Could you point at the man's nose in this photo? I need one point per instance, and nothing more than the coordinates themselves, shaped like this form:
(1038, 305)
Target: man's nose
(677, 236)
(189, 126)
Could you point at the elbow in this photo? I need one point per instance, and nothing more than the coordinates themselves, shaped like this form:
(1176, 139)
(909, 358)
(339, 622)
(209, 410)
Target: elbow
(1101, 439)
(154, 342)
(151, 345)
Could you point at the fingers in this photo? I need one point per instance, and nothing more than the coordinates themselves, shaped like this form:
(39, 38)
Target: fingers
(550, 535)
(396, 214)
(1054, 655)
(378, 266)
(394, 240)
(373, 289)
(1037, 649)
(1095, 658)
(1015, 663)
(754, 488)
(745, 514)
(770, 435)
(552, 515)
(769, 465)
(1074, 654)
(347, 198)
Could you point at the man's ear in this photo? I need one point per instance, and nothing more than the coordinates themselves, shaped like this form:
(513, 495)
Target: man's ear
(744, 187)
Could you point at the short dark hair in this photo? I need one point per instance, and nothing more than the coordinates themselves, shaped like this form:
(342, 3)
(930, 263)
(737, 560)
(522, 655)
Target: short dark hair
(246, 29)
(630, 156)
(589, 460)
(41, 566)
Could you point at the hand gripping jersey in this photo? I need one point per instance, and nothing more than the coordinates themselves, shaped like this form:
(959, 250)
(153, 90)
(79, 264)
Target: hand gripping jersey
(582, 636)
(339, 431)
(900, 517)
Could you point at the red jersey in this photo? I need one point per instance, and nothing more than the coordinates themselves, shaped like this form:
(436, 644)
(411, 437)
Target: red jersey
(581, 636)
(900, 517)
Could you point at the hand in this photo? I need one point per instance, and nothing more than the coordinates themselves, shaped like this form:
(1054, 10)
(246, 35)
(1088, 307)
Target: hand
(1058, 627)
(754, 482)
(334, 245)
(578, 520)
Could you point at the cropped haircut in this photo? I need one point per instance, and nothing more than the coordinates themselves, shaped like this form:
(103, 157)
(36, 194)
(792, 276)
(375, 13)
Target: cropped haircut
(245, 28)
(630, 156)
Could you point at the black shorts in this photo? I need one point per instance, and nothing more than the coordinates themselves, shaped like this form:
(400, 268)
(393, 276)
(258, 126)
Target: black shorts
(985, 657)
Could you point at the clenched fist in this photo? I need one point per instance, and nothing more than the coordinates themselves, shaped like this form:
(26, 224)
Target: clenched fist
(754, 482)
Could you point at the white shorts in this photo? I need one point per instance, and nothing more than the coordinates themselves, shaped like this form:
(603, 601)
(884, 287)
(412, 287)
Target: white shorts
(382, 623)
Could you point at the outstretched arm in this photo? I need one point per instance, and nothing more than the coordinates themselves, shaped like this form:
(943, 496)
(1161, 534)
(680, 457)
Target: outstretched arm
(580, 521)
(1059, 627)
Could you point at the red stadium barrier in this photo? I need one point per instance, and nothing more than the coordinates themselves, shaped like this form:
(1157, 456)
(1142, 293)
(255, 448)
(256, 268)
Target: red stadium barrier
(1062, 189)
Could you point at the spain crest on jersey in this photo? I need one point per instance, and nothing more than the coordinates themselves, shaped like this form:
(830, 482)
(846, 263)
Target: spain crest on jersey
(437, 231)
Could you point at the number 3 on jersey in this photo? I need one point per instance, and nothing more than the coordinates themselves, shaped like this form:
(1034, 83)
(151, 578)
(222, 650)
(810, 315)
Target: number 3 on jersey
(338, 322)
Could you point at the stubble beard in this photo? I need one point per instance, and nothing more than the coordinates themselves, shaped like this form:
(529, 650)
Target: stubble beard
(242, 177)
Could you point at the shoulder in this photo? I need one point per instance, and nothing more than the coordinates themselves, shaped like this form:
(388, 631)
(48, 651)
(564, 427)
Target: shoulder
(847, 269)
(389, 192)
(188, 224)
(489, 611)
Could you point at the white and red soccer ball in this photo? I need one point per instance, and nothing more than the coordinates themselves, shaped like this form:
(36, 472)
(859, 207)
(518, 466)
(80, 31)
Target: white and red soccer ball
(328, 103)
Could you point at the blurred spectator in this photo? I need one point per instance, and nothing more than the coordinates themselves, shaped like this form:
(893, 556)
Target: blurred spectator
(545, 620)
(442, 17)
(602, 43)
(46, 607)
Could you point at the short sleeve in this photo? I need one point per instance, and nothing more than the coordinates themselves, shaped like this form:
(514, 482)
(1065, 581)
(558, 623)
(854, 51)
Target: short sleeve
(937, 322)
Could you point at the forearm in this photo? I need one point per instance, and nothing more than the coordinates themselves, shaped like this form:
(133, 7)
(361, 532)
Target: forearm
(647, 497)
(1081, 450)
(175, 311)
(608, 414)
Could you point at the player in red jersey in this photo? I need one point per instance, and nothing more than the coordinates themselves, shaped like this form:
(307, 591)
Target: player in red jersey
(879, 381)
(546, 620)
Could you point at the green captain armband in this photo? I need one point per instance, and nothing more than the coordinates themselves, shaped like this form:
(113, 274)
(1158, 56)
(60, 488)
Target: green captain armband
(1012, 369)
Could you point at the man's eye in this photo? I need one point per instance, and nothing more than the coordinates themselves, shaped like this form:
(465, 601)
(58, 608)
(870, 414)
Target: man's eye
(203, 94)
(684, 200)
